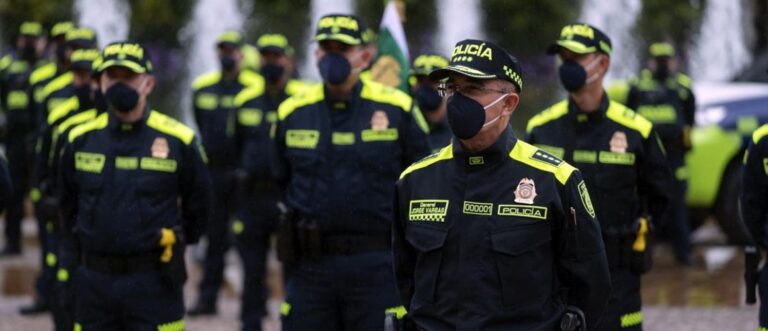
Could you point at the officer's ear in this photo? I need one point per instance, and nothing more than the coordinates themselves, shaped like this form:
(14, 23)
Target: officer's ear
(149, 85)
(605, 63)
(510, 103)
(366, 56)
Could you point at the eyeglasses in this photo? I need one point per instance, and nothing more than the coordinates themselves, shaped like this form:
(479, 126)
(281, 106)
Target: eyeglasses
(470, 90)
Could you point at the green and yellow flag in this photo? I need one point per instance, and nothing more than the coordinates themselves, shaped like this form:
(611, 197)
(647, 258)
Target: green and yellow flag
(391, 64)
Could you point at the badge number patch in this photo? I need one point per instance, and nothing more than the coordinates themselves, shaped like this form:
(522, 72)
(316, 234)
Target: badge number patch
(427, 210)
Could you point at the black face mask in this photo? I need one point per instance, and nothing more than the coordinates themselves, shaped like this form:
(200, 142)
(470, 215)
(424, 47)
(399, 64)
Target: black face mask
(227, 63)
(428, 98)
(662, 71)
(121, 97)
(334, 68)
(83, 94)
(99, 101)
(572, 76)
(61, 53)
(28, 52)
(272, 72)
(467, 116)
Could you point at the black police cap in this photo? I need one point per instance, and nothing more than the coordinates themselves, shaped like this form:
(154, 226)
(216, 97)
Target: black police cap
(482, 60)
(581, 38)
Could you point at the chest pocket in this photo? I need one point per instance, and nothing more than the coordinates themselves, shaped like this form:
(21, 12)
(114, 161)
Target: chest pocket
(524, 263)
(157, 179)
(428, 242)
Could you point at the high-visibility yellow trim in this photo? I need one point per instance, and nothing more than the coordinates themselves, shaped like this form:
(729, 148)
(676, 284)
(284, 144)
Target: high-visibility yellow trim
(385, 94)
(172, 326)
(250, 78)
(760, 133)
(631, 319)
(399, 311)
(584, 156)
(18, 67)
(126, 162)
(248, 93)
(62, 275)
(78, 327)
(98, 123)
(530, 155)
(206, 101)
(206, 79)
(576, 47)
(419, 118)
(658, 113)
(446, 153)
(5, 61)
(58, 83)
(76, 119)
(50, 259)
(343, 138)
(308, 96)
(167, 240)
(554, 150)
(250, 116)
(238, 227)
(42, 73)
(155, 164)
(368, 135)
(170, 126)
(606, 157)
(17, 100)
(550, 114)
(628, 118)
(34, 194)
(295, 86)
(89, 162)
(285, 309)
(64, 108)
(684, 80)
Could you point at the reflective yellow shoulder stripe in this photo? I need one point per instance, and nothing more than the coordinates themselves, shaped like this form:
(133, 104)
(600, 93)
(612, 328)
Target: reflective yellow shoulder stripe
(206, 80)
(76, 119)
(248, 93)
(63, 109)
(5, 61)
(295, 86)
(618, 90)
(419, 118)
(57, 84)
(550, 114)
(446, 153)
(760, 133)
(249, 78)
(626, 117)
(532, 156)
(172, 326)
(42, 73)
(631, 319)
(684, 80)
(170, 126)
(97, 124)
(385, 94)
(306, 97)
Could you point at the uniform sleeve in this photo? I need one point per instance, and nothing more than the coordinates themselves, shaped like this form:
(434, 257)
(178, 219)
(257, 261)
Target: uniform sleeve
(415, 142)
(689, 107)
(42, 152)
(654, 177)
(278, 164)
(195, 187)
(582, 265)
(632, 98)
(67, 193)
(403, 254)
(5, 184)
(754, 191)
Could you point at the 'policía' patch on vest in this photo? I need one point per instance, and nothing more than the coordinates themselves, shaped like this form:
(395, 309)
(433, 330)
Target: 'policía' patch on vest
(528, 211)
(427, 210)
(585, 199)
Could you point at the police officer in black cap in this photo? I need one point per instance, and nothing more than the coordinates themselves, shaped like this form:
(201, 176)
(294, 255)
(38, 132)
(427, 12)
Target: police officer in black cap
(216, 115)
(432, 105)
(621, 158)
(134, 191)
(490, 232)
(754, 213)
(339, 147)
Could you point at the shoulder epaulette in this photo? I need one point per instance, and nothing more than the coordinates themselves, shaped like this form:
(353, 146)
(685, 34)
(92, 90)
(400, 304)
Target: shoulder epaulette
(684, 80)
(306, 97)
(77, 119)
(248, 78)
(98, 123)
(206, 79)
(547, 115)
(381, 93)
(248, 93)
(539, 159)
(628, 118)
(57, 113)
(57, 84)
(170, 126)
(42, 73)
(446, 153)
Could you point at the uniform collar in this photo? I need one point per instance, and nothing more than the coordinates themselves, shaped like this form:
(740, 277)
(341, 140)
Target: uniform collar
(581, 117)
(494, 154)
(336, 104)
(117, 125)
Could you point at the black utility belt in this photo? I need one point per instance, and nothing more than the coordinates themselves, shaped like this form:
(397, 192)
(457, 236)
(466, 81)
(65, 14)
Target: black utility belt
(122, 264)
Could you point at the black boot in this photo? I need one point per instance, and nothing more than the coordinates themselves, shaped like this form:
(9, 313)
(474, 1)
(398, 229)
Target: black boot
(202, 308)
(11, 250)
(37, 307)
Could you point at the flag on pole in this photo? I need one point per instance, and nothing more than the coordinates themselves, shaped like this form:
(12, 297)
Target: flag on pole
(391, 64)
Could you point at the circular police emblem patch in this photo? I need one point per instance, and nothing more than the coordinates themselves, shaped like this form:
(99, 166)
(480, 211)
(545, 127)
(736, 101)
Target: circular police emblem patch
(379, 121)
(160, 148)
(526, 191)
(618, 142)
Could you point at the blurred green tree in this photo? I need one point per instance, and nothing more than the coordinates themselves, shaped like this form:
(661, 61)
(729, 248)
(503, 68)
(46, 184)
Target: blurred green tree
(47, 12)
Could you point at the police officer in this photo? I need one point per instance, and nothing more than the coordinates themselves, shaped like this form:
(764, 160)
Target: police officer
(754, 191)
(123, 175)
(339, 148)
(15, 100)
(257, 215)
(57, 52)
(432, 105)
(489, 223)
(663, 96)
(620, 157)
(216, 116)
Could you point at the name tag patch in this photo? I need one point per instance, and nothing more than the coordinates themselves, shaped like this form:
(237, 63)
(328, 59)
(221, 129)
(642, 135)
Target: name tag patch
(427, 210)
